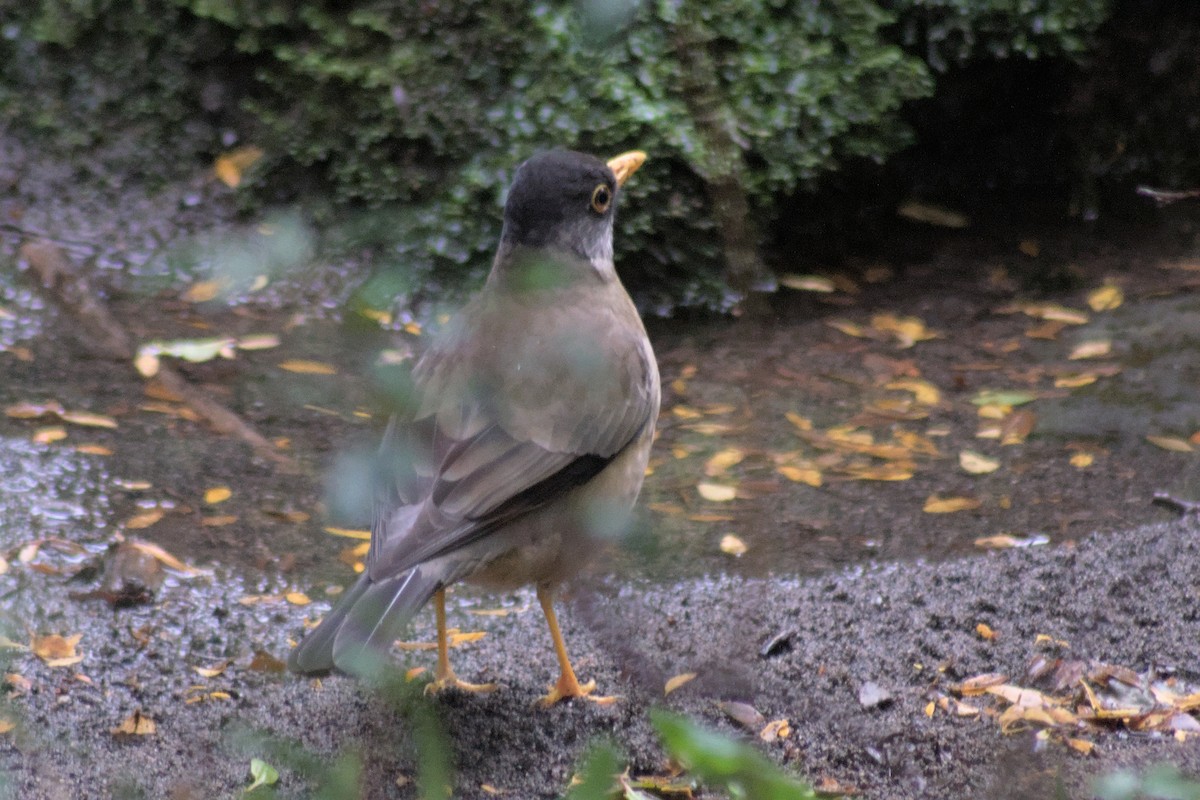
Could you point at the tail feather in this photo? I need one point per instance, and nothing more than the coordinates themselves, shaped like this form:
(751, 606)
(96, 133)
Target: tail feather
(356, 635)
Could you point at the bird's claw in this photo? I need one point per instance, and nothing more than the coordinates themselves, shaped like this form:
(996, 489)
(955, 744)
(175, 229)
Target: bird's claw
(451, 681)
(567, 690)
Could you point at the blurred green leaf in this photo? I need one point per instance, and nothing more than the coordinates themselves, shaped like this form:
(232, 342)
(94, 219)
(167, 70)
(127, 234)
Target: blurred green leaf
(262, 773)
(720, 761)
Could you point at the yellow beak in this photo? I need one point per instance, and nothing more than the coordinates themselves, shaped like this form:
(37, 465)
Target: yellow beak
(626, 164)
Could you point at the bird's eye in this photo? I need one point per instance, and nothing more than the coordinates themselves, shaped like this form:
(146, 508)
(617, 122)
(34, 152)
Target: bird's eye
(601, 198)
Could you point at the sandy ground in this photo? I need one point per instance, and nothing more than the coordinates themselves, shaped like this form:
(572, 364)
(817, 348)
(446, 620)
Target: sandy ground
(1127, 599)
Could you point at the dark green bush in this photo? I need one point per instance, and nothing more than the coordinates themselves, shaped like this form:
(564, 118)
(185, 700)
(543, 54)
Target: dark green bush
(423, 109)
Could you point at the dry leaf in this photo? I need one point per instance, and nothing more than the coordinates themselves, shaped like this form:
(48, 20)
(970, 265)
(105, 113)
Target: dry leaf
(1076, 380)
(678, 680)
(1030, 247)
(217, 494)
(980, 683)
(774, 730)
(686, 412)
(305, 367)
(807, 283)
(1098, 348)
(1082, 460)
(949, 505)
(201, 292)
(163, 557)
(1081, 745)
(743, 714)
(1170, 443)
(93, 450)
(1106, 298)
(732, 545)
(907, 331)
(144, 519)
(88, 419)
(218, 520)
(977, 463)
(932, 214)
(847, 327)
(258, 341)
(808, 475)
(985, 631)
(923, 391)
(229, 167)
(349, 533)
(211, 672)
(722, 460)
(49, 435)
(56, 650)
(1017, 427)
(716, 492)
(136, 724)
(297, 598)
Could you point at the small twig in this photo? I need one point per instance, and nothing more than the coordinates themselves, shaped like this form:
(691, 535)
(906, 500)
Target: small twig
(104, 333)
(1163, 197)
(1184, 507)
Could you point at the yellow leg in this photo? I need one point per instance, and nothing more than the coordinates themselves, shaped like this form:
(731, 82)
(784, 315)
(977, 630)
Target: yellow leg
(445, 677)
(568, 685)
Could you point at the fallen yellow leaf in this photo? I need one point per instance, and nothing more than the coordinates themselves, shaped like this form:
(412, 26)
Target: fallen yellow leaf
(297, 598)
(1106, 298)
(49, 435)
(144, 519)
(1082, 460)
(722, 460)
(807, 283)
(217, 494)
(775, 729)
(201, 292)
(163, 557)
(304, 367)
(949, 505)
(88, 419)
(716, 492)
(1098, 348)
(923, 391)
(732, 545)
(678, 680)
(808, 475)
(1075, 381)
(211, 672)
(56, 650)
(977, 463)
(93, 450)
(349, 533)
(985, 631)
(230, 166)
(1170, 443)
(136, 724)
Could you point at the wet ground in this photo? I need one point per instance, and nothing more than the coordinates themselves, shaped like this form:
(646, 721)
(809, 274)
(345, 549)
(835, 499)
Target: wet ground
(787, 502)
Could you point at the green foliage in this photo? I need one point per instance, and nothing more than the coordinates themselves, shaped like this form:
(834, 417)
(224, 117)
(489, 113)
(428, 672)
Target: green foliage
(422, 110)
(596, 778)
(1164, 782)
(953, 32)
(722, 762)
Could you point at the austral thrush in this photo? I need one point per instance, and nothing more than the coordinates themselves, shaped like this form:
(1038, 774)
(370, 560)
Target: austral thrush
(526, 443)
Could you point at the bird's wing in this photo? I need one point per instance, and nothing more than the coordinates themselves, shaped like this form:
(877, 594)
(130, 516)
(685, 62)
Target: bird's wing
(508, 422)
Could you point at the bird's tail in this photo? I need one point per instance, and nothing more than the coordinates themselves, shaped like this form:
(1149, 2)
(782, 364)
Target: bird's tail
(356, 635)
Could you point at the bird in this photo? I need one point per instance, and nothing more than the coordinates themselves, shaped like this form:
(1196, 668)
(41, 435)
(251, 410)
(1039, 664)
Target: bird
(524, 445)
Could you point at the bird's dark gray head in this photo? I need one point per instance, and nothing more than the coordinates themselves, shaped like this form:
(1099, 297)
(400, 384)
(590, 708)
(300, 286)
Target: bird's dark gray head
(562, 200)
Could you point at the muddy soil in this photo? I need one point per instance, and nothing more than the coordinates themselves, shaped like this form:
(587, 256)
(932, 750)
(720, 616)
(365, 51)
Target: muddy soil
(874, 604)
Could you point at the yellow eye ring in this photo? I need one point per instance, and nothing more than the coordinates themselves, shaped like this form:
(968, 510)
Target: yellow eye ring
(601, 198)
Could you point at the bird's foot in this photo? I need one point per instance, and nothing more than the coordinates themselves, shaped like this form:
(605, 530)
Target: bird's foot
(451, 681)
(568, 688)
